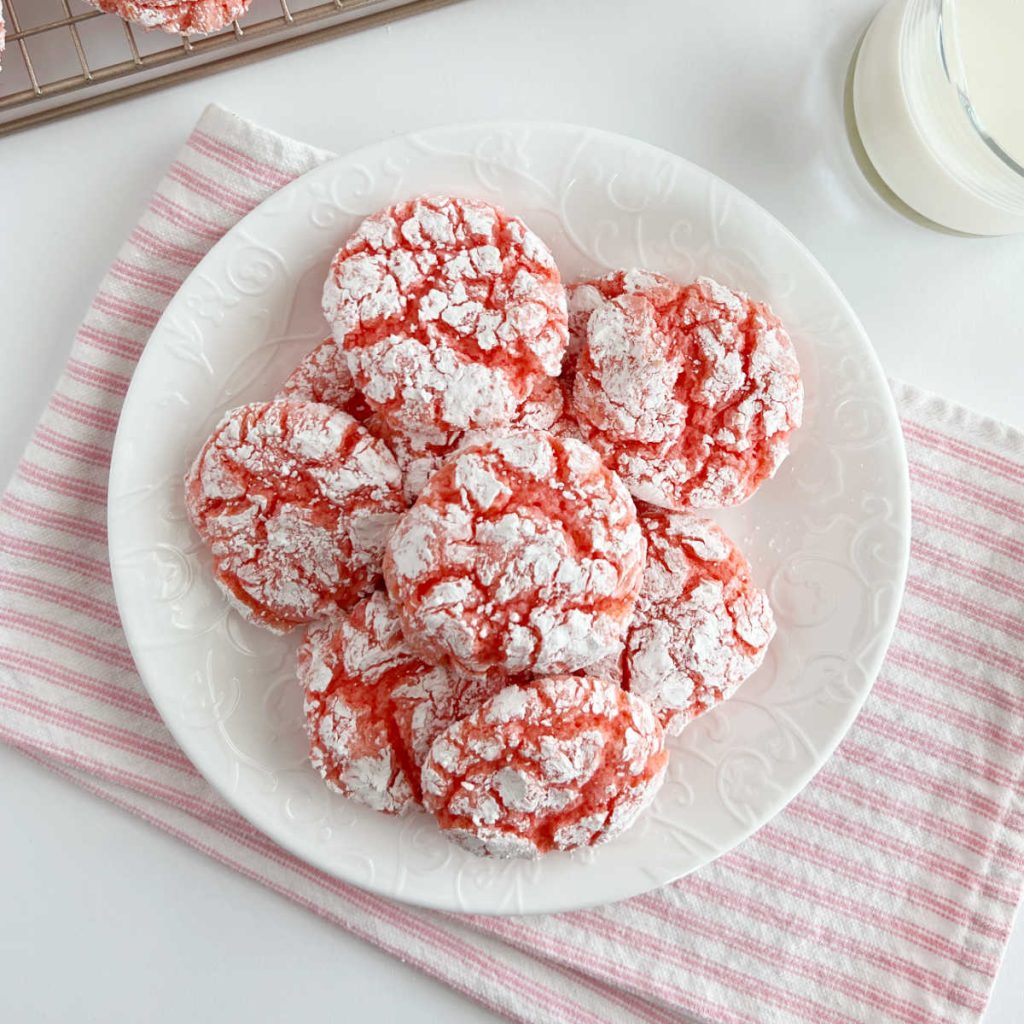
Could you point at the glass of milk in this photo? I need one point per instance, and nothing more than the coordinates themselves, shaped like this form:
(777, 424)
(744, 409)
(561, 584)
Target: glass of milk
(938, 96)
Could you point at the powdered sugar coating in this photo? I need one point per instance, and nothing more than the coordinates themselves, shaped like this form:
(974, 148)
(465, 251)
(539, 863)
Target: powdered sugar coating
(567, 761)
(583, 297)
(190, 17)
(373, 707)
(701, 625)
(543, 407)
(296, 501)
(324, 376)
(450, 311)
(522, 554)
(419, 460)
(689, 392)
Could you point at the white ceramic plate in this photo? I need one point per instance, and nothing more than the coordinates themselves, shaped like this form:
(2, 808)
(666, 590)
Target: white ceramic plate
(828, 536)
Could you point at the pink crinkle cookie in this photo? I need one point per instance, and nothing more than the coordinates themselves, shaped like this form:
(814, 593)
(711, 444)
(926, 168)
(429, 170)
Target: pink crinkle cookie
(373, 707)
(584, 297)
(295, 501)
(450, 312)
(564, 762)
(324, 376)
(189, 17)
(701, 625)
(689, 392)
(543, 410)
(522, 554)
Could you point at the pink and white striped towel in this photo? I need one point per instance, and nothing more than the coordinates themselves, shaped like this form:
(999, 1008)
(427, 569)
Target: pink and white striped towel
(885, 892)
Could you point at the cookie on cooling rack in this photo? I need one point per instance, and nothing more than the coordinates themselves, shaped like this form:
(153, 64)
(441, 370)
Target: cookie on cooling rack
(187, 17)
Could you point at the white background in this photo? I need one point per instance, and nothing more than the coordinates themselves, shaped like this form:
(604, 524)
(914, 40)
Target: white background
(104, 919)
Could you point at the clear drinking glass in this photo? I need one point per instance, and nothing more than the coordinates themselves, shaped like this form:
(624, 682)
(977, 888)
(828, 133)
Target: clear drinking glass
(938, 97)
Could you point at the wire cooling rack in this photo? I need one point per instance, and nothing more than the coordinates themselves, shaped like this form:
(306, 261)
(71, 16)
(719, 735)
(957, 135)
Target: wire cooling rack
(64, 56)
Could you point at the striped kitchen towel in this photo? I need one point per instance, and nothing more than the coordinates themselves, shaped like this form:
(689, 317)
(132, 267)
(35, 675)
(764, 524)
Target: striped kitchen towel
(884, 892)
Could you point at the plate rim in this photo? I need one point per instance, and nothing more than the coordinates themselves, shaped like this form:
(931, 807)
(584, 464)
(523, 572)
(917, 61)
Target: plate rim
(900, 497)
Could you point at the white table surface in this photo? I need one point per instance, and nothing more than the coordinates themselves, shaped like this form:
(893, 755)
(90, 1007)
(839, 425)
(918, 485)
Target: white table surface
(101, 917)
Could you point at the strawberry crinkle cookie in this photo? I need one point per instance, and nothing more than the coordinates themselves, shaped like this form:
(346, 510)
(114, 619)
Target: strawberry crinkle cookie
(450, 312)
(373, 707)
(584, 297)
(522, 554)
(565, 762)
(543, 410)
(188, 17)
(295, 501)
(689, 392)
(701, 625)
(323, 376)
